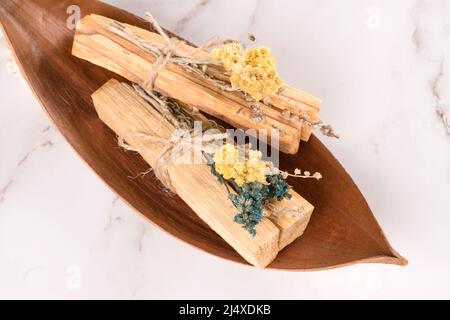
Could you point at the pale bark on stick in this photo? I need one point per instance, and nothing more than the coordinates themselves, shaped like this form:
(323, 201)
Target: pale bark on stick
(294, 94)
(290, 98)
(96, 43)
(292, 224)
(124, 111)
(101, 51)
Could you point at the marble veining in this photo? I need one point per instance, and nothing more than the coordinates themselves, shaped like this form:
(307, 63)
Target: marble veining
(11, 65)
(5, 189)
(382, 69)
(441, 104)
(427, 30)
(201, 5)
(22, 162)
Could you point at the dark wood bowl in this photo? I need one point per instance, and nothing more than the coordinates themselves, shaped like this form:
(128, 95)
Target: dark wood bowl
(342, 231)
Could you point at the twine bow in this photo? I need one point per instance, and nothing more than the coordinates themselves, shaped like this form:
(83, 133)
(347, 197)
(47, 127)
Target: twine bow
(165, 55)
(174, 148)
(168, 52)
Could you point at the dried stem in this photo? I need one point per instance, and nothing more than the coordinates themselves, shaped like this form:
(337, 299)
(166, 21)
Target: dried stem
(325, 129)
(275, 212)
(170, 53)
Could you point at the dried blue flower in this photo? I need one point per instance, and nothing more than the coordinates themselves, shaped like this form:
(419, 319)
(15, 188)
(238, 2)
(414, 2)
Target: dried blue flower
(251, 198)
(278, 188)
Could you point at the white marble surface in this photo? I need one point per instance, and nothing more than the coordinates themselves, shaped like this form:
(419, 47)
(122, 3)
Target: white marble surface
(382, 67)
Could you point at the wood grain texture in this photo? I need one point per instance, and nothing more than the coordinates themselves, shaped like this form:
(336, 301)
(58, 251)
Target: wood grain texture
(292, 226)
(121, 108)
(95, 43)
(342, 231)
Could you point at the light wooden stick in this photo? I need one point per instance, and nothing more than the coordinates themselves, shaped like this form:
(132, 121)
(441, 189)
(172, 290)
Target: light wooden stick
(292, 225)
(123, 110)
(292, 99)
(95, 42)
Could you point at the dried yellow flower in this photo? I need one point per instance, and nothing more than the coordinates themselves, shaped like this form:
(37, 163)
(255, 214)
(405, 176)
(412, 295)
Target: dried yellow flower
(256, 168)
(232, 55)
(230, 165)
(253, 70)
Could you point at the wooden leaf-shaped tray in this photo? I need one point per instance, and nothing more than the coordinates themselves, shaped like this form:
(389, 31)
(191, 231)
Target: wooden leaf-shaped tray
(342, 231)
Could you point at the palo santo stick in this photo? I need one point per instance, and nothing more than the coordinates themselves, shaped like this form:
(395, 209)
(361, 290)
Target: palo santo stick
(284, 103)
(301, 96)
(292, 226)
(292, 99)
(289, 92)
(201, 191)
(294, 94)
(123, 110)
(95, 42)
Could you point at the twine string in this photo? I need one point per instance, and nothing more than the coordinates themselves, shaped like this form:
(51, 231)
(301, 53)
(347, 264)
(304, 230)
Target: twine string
(173, 150)
(168, 52)
(165, 55)
(175, 145)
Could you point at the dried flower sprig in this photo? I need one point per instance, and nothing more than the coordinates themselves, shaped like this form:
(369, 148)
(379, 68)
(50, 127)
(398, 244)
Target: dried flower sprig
(168, 109)
(325, 129)
(256, 183)
(253, 70)
(251, 198)
(305, 175)
(272, 170)
(230, 163)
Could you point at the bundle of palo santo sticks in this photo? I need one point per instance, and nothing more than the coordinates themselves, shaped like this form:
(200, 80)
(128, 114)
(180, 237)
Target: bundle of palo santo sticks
(123, 109)
(188, 74)
(247, 202)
